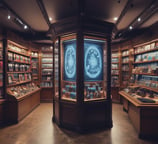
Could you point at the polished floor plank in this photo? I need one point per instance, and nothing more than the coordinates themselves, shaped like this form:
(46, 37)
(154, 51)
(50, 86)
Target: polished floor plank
(37, 128)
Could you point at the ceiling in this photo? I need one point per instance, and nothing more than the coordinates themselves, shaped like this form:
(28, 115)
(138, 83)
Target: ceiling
(36, 14)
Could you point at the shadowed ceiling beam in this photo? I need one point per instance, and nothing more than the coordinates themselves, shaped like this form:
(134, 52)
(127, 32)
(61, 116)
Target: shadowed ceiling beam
(43, 10)
(145, 14)
(16, 15)
(127, 6)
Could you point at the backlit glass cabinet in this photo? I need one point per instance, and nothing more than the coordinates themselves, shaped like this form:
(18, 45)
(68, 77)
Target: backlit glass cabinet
(82, 69)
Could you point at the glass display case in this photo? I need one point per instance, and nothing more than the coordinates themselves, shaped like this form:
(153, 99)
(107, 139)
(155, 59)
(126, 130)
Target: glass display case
(95, 64)
(69, 68)
(82, 98)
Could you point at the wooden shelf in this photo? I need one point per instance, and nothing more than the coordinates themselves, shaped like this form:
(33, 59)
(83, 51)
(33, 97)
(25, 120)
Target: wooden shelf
(47, 68)
(114, 62)
(114, 74)
(46, 80)
(150, 74)
(146, 61)
(19, 98)
(115, 57)
(34, 68)
(46, 74)
(125, 70)
(68, 99)
(34, 74)
(114, 69)
(151, 50)
(146, 43)
(47, 63)
(18, 83)
(19, 72)
(125, 62)
(34, 57)
(18, 62)
(47, 87)
(125, 55)
(47, 51)
(47, 57)
(148, 88)
(18, 53)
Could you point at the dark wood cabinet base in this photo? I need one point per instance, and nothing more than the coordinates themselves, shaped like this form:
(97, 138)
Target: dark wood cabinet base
(2, 108)
(46, 95)
(90, 116)
(144, 117)
(17, 109)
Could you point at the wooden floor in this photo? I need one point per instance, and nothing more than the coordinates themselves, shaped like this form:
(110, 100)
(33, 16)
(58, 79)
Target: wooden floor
(37, 128)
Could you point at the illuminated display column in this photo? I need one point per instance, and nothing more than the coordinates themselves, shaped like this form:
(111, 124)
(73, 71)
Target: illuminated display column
(93, 69)
(69, 69)
(84, 101)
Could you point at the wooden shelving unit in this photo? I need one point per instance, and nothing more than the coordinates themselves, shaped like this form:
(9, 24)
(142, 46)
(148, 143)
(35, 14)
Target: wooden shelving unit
(140, 99)
(35, 66)
(22, 94)
(146, 65)
(115, 74)
(47, 73)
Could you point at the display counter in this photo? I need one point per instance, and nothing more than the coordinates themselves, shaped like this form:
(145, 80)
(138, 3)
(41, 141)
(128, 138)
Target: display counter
(143, 113)
(21, 100)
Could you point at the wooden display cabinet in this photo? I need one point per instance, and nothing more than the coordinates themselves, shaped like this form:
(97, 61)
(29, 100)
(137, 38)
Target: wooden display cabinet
(82, 62)
(35, 65)
(141, 99)
(115, 74)
(47, 73)
(22, 94)
(144, 116)
(126, 65)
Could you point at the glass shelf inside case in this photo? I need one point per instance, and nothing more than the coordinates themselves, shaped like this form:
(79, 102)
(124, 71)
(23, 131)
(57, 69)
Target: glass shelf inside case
(94, 69)
(69, 69)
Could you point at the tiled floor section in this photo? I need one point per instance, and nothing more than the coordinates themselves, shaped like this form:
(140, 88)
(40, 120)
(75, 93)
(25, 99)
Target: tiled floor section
(37, 128)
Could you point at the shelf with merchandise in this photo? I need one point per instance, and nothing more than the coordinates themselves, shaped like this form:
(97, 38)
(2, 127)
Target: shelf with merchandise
(146, 47)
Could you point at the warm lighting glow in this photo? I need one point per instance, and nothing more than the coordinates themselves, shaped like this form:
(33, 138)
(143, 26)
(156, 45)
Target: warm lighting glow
(25, 27)
(9, 16)
(139, 19)
(50, 19)
(115, 18)
(130, 27)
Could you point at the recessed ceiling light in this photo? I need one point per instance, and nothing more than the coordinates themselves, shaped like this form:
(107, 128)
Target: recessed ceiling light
(139, 19)
(9, 16)
(50, 19)
(115, 18)
(25, 27)
(130, 27)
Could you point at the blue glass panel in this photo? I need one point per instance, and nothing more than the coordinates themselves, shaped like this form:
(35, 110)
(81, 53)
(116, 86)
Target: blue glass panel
(69, 60)
(93, 60)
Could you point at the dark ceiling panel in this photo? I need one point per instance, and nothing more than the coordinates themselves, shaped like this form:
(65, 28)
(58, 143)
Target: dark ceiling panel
(151, 21)
(135, 9)
(5, 22)
(30, 12)
(104, 9)
(59, 9)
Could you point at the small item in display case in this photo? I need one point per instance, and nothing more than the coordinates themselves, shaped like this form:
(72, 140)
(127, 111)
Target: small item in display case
(152, 46)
